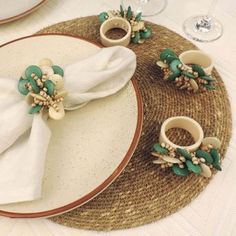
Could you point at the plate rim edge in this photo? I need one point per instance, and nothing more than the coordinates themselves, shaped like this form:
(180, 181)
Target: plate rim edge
(22, 14)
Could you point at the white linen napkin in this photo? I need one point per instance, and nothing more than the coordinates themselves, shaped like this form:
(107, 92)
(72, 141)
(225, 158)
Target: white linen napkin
(23, 150)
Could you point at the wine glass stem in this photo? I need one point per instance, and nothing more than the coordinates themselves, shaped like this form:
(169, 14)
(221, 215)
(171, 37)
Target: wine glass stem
(212, 7)
(141, 4)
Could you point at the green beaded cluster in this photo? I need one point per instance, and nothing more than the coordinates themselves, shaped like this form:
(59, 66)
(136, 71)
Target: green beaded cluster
(41, 91)
(183, 162)
(140, 32)
(191, 78)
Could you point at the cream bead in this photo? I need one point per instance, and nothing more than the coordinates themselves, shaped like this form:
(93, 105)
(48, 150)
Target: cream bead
(45, 62)
(47, 70)
(57, 80)
(57, 114)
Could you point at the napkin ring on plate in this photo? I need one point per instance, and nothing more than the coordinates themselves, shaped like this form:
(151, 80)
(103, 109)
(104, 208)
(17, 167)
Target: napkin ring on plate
(191, 71)
(137, 31)
(43, 87)
(198, 158)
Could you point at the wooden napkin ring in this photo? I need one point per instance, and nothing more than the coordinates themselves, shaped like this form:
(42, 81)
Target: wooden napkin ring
(112, 23)
(183, 122)
(197, 57)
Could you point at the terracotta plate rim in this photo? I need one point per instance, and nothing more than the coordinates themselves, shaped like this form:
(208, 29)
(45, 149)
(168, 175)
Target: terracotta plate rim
(27, 12)
(116, 172)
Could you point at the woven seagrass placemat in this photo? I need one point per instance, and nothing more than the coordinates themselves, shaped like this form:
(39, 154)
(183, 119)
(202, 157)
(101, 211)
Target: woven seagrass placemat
(144, 193)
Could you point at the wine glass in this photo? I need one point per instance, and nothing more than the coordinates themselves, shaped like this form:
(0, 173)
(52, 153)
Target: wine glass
(203, 28)
(147, 7)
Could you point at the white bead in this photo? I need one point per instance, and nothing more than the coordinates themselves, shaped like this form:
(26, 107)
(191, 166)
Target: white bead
(202, 160)
(47, 70)
(162, 64)
(45, 62)
(170, 159)
(57, 80)
(38, 97)
(194, 84)
(57, 115)
(163, 144)
(159, 161)
(206, 171)
(215, 142)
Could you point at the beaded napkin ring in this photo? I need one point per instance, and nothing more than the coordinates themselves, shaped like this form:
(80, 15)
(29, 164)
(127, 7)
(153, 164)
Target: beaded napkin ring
(43, 87)
(199, 158)
(189, 75)
(139, 32)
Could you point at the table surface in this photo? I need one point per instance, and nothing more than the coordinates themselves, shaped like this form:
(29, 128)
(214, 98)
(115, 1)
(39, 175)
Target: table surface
(214, 211)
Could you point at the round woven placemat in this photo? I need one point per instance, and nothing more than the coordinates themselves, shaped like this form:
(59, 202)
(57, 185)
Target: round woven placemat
(144, 193)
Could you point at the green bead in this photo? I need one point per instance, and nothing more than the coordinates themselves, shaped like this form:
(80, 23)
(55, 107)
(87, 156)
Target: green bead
(209, 86)
(184, 153)
(138, 17)
(208, 78)
(35, 109)
(33, 70)
(158, 148)
(189, 75)
(173, 76)
(205, 155)
(145, 34)
(174, 66)
(198, 69)
(194, 168)
(136, 38)
(218, 167)
(180, 171)
(129, 13)
(58, 70)
(166, 52)
(34, 85)
(103, 17)
(216, 158)
(22, 86)
(170, 58)
(122, 13)
(50, 86)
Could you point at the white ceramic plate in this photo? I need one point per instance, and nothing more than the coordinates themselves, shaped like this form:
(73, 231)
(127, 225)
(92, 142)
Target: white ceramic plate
(91, 146)
(11, 10)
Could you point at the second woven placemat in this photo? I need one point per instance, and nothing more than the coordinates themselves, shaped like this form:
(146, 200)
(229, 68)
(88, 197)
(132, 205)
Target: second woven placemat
(144, 193)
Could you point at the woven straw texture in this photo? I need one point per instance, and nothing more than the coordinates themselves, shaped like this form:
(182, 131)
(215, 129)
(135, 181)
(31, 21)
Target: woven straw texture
(144, 193)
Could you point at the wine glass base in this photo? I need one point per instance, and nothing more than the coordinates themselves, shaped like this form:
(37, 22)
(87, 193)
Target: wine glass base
(197, 31)
(147, 7)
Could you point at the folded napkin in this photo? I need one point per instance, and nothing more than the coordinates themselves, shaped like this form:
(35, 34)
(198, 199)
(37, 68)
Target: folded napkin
(24, 137)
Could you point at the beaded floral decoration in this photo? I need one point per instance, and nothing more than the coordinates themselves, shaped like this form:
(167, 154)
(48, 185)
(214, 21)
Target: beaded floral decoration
(140, 32)
(191, 78)
(182, 162)
(43, 87)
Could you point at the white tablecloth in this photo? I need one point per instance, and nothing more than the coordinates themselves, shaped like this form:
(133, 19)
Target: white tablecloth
(214, 211)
